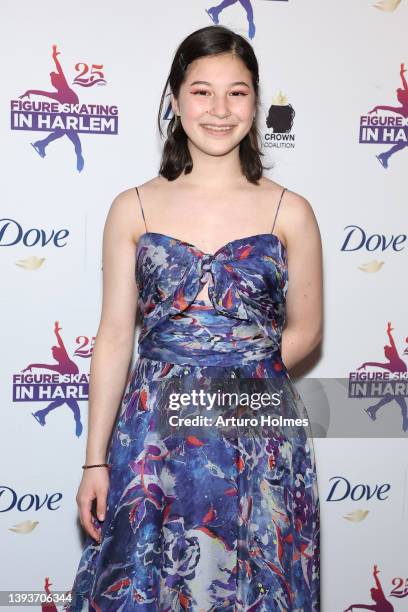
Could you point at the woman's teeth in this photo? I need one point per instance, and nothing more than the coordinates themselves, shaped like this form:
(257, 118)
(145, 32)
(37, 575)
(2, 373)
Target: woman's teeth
(214, 128)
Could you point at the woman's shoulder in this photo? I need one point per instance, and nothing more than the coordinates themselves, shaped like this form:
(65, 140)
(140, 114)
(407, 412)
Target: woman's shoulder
(129, 194)
(128, 208)
(154, 186)
(293, 198)
(294, 206)
(296, 215)
(125, 213)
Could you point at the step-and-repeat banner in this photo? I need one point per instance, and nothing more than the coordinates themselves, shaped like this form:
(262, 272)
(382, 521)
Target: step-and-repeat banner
(80, 92)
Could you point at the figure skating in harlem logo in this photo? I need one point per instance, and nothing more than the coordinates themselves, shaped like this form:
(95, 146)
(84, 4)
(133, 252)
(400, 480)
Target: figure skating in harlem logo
(279, 121)
(381, 601)
(389, 384)
(215, 11)
(89, 78)
(64, 114)
(385, 128)
(67, 386)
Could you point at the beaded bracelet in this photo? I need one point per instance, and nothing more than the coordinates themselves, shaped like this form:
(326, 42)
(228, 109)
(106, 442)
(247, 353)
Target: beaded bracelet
(85, 467)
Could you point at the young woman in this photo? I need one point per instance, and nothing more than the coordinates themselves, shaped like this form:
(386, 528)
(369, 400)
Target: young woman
(203, 522)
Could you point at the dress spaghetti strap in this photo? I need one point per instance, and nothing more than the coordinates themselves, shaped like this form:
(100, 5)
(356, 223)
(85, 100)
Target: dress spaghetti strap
(277, 210)
(141, 208)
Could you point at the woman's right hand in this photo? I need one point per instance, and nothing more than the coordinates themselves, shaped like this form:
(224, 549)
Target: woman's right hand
(94, 485)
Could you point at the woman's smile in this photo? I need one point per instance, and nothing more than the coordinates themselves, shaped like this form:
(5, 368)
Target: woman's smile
(218, 130)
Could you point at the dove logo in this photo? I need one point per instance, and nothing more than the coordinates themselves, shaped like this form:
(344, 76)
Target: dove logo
(357, 239)
(11, 500)
(342, 489)
(62, 114)
(388, 125)
(12, 233)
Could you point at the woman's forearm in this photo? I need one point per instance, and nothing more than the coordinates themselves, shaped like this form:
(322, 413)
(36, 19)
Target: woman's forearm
(108, 375)
(297, 344)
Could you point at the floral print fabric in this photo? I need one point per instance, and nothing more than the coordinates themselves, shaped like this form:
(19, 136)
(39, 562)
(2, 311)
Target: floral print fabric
(204, 523)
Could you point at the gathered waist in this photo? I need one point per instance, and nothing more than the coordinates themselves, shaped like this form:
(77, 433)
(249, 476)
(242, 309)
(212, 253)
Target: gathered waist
(202, 336)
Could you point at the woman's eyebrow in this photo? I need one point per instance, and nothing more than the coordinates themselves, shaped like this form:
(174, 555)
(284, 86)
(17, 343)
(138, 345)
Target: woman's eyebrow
(207, 83)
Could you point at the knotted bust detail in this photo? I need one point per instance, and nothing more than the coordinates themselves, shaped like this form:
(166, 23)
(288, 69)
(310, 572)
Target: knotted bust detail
(247, 279)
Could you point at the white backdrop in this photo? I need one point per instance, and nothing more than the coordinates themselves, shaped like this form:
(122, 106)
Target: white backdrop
(334, 61)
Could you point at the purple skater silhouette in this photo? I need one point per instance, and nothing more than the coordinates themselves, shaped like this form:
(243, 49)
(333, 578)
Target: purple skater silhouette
(402, 96)
(215, 11)
(64, 94)
(377, 594)
(394, 364)
(65, 365)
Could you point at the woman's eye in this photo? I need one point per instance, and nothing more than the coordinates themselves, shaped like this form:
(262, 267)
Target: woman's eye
(233, 93)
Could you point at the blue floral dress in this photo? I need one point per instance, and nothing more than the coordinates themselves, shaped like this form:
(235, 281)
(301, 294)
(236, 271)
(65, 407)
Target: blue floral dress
(197, 521)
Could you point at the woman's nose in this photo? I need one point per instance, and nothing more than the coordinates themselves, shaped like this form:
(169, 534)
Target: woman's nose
(219, 108)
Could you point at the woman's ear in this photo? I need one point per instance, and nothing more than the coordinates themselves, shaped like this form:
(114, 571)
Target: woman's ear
(174, 105)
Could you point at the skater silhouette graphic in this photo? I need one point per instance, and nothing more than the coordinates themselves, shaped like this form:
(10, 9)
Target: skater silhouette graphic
(63, 94)
(377, 594)
(64, 365)
(402, 96)
(215, 11)
(394, 364)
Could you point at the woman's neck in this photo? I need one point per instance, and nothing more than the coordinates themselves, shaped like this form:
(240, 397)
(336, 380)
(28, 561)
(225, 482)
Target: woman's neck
(215, 171)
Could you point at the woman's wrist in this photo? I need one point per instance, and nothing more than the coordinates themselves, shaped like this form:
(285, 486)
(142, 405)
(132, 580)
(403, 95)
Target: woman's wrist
(95, 455)
(87, 466)
(95, 459)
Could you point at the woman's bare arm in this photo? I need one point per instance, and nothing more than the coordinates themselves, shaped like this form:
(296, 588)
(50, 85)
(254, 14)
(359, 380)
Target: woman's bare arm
(112, 350)
(115, 337)
(304, 300)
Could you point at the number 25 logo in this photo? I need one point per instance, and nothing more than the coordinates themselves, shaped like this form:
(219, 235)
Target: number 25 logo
(88, 77)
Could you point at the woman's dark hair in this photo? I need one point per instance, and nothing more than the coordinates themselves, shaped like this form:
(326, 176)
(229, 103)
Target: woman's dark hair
(211, 40)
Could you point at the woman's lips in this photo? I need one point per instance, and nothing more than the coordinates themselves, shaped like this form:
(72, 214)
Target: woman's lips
(218, 131)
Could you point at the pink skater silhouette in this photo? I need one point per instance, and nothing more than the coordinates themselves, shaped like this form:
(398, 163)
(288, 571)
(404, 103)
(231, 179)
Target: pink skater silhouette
(65, 365)
(377, 595)
(48, 607)
(64, 94)
(394, 364)
(402, 96)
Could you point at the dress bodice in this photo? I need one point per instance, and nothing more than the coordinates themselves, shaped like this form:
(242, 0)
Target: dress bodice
(247, 280)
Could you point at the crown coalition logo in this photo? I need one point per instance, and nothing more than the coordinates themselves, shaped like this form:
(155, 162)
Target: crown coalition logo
(215, 11)
(65, 386)
(390, 127)
(388, 384)
(64, 115)
(280, 121)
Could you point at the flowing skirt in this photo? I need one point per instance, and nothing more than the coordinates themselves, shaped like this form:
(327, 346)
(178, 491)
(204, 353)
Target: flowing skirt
(225, 520)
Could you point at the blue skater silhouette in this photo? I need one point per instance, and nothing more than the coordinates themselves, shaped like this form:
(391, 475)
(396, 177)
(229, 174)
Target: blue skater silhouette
(214, 12)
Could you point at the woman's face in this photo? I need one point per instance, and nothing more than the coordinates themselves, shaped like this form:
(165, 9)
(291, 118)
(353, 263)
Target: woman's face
(216, 103)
